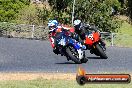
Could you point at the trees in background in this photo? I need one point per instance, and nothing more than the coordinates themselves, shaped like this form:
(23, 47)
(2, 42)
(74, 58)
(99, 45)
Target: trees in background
(33, 15)
(59, 5)
(130, 9)
(98, 12)
(60, 10)
(10, 8)
(126, 8)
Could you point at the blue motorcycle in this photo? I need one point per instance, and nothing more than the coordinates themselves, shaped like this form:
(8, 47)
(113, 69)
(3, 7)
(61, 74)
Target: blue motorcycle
(69, 47)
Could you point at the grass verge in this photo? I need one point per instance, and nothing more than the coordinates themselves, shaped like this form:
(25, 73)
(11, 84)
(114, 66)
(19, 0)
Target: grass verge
(42, 83)
(124, 36)
(48, 80)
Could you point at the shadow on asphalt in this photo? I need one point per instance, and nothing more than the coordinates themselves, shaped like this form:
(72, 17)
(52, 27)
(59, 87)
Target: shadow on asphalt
(94, 58)
(75, 63)
(66, 63)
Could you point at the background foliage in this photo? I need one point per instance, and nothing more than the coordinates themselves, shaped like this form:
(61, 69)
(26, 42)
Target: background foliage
(10, 8)
(97, 12)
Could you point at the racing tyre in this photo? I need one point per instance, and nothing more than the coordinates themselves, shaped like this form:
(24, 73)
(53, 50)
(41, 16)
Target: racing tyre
(71, 53)
(101, 51)
(84, 60)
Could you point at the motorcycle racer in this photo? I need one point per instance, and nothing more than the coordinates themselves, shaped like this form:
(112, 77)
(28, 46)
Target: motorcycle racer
(54, 30)
(82, 28)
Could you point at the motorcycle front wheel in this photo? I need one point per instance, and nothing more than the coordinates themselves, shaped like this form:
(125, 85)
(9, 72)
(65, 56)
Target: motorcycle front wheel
(72, 53)
(100, 51)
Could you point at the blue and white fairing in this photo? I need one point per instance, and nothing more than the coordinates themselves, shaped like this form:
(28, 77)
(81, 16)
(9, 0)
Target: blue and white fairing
(62, 41)
(78, 46)
(65, 40)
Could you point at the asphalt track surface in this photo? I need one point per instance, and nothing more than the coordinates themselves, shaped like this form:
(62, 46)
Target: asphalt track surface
(22, 55)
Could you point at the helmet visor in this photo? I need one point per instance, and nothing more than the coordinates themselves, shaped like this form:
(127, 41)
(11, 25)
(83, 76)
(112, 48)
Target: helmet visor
(77, 27)
(52, 28)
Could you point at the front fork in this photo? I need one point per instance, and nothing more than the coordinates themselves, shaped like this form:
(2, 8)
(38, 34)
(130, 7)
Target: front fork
(80, 50)
(80, 54)
(103, 45)
(93, 48)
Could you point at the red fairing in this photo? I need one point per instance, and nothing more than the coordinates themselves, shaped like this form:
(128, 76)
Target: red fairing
(52, 34)
(52, 39)
(96, 36)
(92, 39)
(88, 41)
(72, 30)
(52, 42)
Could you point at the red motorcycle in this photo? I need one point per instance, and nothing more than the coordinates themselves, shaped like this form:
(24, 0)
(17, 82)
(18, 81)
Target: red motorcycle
(94, 43)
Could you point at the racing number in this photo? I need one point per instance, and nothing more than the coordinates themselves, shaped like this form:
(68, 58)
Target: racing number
(90, 36)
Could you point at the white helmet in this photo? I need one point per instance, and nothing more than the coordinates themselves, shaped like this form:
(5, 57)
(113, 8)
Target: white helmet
(52, 25)
(77, 22)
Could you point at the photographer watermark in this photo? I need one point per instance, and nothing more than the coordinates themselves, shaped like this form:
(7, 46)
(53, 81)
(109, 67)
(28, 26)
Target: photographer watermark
(83, 78)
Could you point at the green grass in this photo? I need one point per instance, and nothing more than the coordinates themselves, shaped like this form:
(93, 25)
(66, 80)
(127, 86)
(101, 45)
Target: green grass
(57, 84)
(124, 36)
(123, 40)
(126, 28)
